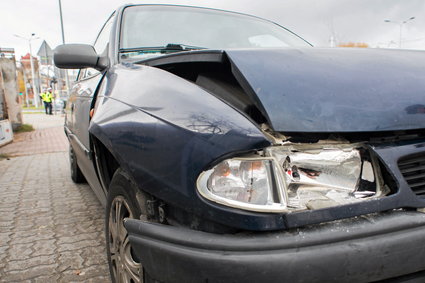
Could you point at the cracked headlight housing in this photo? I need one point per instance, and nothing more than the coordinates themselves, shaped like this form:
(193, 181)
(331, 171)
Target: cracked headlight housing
(293, 178)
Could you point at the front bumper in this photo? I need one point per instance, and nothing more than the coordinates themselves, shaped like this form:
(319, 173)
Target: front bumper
(361, 249)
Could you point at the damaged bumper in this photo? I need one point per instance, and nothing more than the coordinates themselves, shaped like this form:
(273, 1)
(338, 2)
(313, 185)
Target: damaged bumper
(362, 249)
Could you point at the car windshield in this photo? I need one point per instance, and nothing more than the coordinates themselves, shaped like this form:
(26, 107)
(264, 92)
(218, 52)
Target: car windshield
(154, 30)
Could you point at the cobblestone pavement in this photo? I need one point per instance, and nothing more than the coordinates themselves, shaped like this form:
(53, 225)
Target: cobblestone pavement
(48, 137)
(41, 121)
(51, 230)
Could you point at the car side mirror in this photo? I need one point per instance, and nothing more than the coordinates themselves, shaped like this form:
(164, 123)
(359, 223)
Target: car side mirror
(78, 56)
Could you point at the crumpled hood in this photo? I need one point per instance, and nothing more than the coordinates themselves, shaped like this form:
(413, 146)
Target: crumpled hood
(335, 90)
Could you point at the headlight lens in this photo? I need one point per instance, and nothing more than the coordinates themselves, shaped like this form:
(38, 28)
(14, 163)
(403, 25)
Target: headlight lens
(242, 183)
(324, 177)
(242, 180)
(290, 178)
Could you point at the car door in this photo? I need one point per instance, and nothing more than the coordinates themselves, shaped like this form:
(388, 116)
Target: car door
(83, 94)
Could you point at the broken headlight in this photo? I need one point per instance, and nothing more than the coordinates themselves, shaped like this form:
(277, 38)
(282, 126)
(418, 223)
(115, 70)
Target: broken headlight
(294, 177)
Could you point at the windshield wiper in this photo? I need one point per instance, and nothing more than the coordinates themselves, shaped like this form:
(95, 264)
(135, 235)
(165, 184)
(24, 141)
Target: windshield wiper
(179, 46)
(170, 47)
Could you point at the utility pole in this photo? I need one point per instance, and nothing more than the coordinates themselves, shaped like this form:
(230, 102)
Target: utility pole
(34, 88)
(63, 42)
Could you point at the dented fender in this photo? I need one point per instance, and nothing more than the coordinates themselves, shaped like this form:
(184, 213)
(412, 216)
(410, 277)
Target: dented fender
(164, 131)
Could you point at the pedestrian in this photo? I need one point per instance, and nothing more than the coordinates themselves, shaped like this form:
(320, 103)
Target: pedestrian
(47, 98)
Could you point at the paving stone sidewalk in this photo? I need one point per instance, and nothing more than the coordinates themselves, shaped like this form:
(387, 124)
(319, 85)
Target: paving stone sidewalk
(51, 230)
(48, 137)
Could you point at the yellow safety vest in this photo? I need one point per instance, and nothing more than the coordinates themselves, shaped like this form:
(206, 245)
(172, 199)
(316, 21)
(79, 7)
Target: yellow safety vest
(47, 97)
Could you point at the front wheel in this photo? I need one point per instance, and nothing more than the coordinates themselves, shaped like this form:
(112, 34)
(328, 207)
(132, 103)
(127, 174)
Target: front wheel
(122, 203)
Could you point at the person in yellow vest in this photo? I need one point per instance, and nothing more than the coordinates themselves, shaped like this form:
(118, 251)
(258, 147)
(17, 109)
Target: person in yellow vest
(47, 98)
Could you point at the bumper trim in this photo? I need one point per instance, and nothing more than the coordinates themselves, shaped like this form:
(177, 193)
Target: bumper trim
(368, 248)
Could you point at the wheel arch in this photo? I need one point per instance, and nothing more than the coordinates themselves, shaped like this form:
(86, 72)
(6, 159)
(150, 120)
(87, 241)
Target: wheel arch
(104, 161)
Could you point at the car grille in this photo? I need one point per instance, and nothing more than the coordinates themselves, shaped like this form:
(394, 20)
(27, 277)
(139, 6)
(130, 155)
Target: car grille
(413, 170)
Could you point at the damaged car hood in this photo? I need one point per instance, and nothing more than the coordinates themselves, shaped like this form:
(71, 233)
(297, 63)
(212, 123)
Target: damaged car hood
(334, 90)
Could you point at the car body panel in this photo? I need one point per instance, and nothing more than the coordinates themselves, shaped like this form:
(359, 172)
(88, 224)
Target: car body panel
(336, 90)
(163, 145)
(140, 123)
(370, 248)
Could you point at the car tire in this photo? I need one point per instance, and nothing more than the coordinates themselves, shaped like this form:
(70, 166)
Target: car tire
(121, 203)
(76, 174)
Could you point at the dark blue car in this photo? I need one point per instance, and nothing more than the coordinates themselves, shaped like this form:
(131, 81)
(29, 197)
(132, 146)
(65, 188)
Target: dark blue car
(227, 149)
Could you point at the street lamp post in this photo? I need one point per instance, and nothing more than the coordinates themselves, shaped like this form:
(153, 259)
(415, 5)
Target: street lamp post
(400, 26)
(63, 42)
(34, 88)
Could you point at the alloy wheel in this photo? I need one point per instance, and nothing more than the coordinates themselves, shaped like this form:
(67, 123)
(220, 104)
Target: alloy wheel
(125, 267)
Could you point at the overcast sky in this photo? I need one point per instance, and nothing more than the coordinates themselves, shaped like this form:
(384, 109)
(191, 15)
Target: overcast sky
(314, 20)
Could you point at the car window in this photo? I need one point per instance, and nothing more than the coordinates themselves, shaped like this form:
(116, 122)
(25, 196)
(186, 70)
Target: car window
(100, 44)
(90, 72)
(81, 74)
(153, 26)
(102, 39)
(87, 73)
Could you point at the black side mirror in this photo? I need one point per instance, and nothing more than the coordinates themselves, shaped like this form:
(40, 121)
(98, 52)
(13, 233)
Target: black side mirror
(78, 56)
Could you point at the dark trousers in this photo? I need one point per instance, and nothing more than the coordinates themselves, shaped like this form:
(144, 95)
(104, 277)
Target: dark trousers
(48, 107)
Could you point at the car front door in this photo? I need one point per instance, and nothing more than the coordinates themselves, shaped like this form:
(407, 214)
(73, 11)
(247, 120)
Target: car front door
(83, 94)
